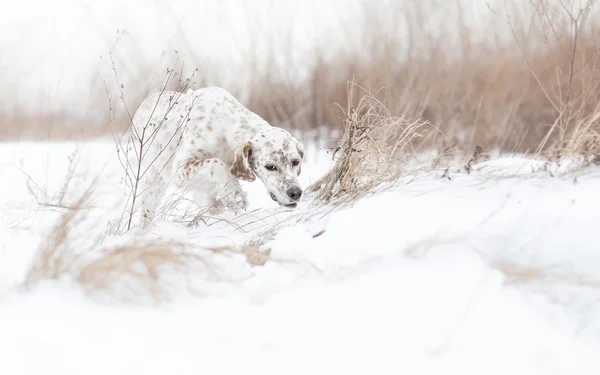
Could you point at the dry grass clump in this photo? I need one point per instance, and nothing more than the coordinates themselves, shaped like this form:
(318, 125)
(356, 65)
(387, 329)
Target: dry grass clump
(374, 148)
(56, 256)
(136, 267)
(154, 268)
(518, 274)
(139, 266)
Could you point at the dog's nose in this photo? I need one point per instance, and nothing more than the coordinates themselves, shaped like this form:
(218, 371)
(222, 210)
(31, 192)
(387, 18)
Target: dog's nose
(294, 193)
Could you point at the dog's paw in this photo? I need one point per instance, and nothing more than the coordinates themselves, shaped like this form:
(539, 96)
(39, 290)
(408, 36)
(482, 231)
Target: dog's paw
(241, 201)
(217, 207)
(236, 201)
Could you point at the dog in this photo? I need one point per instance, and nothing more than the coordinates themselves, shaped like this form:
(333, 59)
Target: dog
(206, 141)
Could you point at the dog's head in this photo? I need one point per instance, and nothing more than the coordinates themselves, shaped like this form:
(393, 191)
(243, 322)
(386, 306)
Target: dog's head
(275, 157)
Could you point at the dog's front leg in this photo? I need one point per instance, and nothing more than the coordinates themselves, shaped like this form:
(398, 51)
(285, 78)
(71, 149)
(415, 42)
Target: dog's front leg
(211, 180)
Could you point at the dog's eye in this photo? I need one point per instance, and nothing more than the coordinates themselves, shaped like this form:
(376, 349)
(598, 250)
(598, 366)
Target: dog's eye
(270, 167)
(295, 162)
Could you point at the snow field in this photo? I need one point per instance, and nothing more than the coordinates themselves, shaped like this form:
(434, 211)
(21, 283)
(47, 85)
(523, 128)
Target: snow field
(425, 277)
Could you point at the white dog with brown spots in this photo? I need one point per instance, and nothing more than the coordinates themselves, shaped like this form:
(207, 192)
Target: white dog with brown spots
(206, 141)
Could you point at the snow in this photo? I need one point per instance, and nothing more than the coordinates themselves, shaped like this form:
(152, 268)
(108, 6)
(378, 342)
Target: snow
(495, 271)
(421, 277)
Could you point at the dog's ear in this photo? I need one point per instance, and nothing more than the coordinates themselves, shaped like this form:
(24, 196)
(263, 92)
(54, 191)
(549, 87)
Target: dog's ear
(300, 148)
(240, 168)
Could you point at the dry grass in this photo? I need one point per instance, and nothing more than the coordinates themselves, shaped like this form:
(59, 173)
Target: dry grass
(132, 268)
(50, 126)
(56, 256)
(143, 267)
(518, 274)
(534, 92)
(374, 149)
(137, 269)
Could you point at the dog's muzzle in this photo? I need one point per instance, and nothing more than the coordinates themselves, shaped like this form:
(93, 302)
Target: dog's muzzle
(289, 205)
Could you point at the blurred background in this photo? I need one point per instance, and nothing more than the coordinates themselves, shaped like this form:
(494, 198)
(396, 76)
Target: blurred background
(518, 75)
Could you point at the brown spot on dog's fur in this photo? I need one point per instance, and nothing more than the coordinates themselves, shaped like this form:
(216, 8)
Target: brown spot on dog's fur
(202, 155)
(191, 164)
